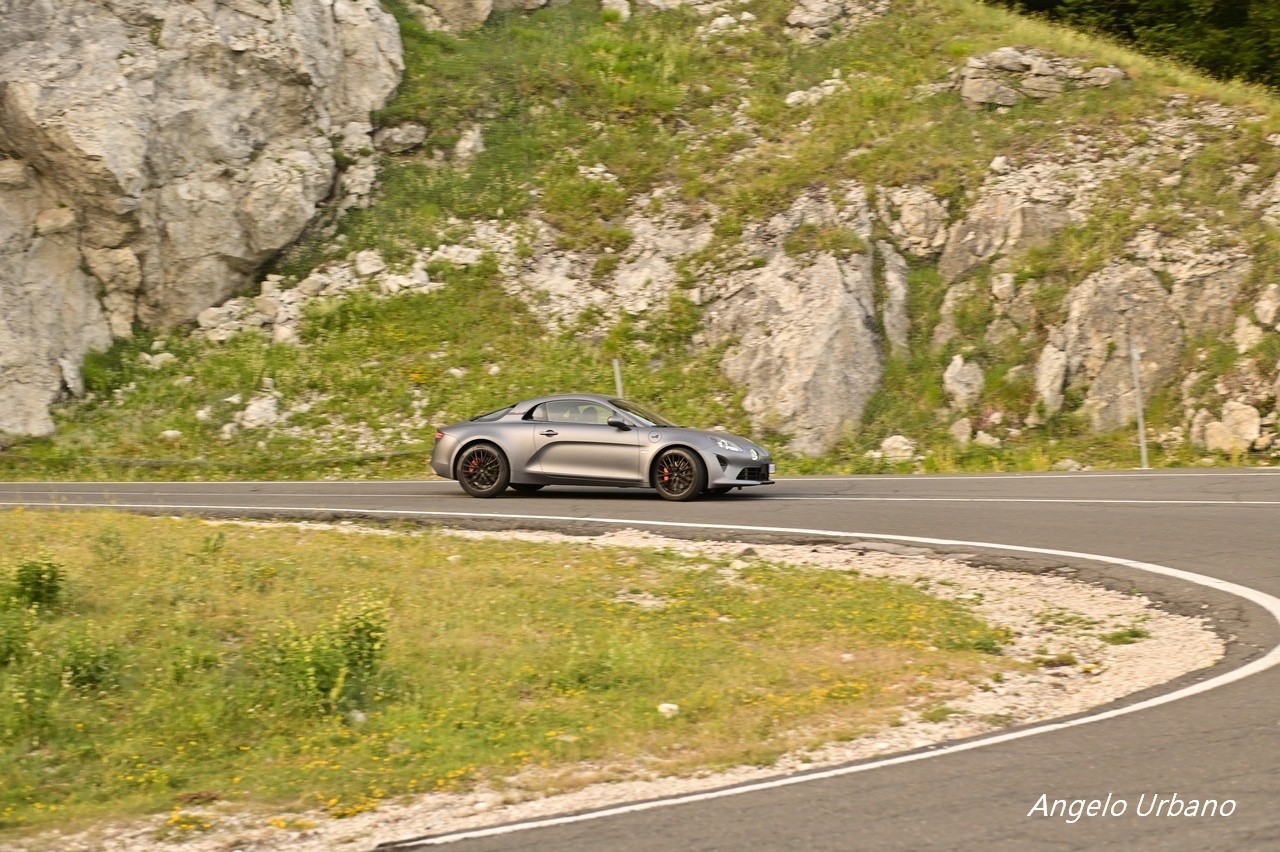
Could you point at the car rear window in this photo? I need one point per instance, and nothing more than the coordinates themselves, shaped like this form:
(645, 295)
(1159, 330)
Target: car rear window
(492, 415)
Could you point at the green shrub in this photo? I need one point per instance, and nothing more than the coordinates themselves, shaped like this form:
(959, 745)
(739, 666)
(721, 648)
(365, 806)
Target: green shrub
(89, 665)
(328, 669)
(38, 582)
(16, 624)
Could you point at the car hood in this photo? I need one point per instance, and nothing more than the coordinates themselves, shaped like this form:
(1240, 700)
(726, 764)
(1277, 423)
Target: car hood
(701, 437)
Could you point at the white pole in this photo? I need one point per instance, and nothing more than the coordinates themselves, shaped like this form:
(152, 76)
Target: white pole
(1137, 389)
(617, 376)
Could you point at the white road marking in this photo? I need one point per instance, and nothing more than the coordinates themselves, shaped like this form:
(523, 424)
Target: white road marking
(1114, 474)
(1035, 500)
(1267, 602)
(367, 495)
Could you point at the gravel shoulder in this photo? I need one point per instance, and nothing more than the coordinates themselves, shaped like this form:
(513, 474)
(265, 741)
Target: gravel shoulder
(1082, 646)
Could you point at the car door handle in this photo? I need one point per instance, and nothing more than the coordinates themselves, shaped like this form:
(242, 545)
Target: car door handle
(548, 432)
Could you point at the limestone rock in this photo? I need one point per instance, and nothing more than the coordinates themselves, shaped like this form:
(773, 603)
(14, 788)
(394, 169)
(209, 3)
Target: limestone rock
(963, 381)
(162, 152)
(401, 138)
(452, 15)
(1246, 335)
(262, 410)
(1236, 432)
(1011, 218)
(1267, 307)
(814, 95)
(1113, 309)
(622, 7)
(916, 218)
(1004, 77)
(897, 324)
(898, 448)
(961, 431)
(1051, 374)
(811, 20)
(811, 369)
(469, 146)
(984, 439)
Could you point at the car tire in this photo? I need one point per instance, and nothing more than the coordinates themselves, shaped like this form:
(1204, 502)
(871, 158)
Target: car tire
(527, 487)
(483, 471)
(679, 475)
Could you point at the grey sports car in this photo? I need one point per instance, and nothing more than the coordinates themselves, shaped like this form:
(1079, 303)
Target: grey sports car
(587, 439)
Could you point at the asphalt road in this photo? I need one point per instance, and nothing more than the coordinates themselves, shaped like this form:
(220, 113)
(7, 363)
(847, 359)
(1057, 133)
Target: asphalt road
(1220, 743)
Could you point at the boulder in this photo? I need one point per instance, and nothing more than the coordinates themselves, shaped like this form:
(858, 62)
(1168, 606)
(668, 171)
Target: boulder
(156, 155)
(898, 448)
(1121, 306)
(1236, 432)
(916, 218)
(812, 367)
(963, 381)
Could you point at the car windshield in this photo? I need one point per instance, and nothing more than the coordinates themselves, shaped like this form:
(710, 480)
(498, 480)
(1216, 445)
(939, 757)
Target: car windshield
(639, 412)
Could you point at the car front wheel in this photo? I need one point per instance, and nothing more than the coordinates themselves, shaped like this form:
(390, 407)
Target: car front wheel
(483, 470)
(679, 475)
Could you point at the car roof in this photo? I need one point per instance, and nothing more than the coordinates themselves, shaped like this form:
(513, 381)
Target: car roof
(521, 407)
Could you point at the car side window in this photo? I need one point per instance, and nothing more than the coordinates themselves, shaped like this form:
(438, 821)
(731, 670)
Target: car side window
(576, 411)
(538, 413)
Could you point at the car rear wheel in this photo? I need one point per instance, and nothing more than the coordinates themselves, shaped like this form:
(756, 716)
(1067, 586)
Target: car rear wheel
(483, 470)
(679, 475)
(526, 487)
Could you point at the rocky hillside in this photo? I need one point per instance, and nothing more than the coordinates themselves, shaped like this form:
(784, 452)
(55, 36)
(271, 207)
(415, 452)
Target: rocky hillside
(920, 231)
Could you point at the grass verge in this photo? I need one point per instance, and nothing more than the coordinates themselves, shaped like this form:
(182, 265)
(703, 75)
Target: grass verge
(151, 662)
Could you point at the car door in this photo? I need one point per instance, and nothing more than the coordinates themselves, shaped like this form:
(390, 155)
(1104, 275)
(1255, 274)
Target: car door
(573, 441)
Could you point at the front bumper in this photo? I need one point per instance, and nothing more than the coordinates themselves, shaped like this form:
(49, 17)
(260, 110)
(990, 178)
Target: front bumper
(736, 473)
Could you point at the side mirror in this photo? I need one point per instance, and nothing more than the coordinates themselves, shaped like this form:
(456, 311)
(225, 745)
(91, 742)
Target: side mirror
(618, 423)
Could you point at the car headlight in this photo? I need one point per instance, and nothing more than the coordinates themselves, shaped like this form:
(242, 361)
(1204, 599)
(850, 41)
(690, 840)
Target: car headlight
(728, 445)
(755, 456)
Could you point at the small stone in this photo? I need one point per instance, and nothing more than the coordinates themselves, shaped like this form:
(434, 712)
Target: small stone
(669, 711)
(171, 435)
(369, 262)
(898, 448)
(982, 439)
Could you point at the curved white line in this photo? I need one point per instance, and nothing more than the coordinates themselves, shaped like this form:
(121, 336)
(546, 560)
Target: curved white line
(1267, 602)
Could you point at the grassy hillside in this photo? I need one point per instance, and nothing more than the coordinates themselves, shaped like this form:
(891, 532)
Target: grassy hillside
(660, 104)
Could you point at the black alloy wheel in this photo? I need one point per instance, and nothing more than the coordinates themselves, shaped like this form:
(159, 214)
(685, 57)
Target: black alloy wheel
(483, 470)
(679, 475)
